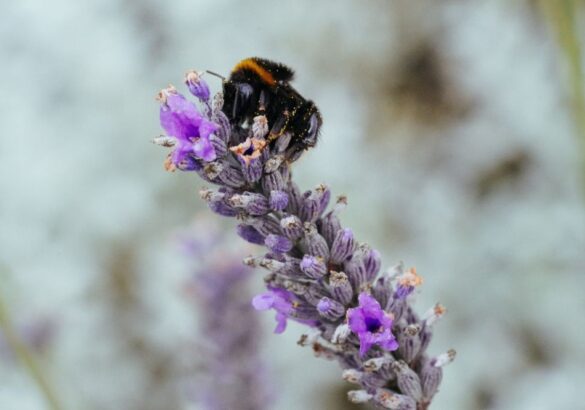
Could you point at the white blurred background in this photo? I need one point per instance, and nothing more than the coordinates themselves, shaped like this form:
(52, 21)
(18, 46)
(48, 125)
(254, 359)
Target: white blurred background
(452, 127)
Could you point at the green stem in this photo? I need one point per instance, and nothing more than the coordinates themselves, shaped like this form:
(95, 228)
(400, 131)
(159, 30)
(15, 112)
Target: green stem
(562, 15)
(26, 357)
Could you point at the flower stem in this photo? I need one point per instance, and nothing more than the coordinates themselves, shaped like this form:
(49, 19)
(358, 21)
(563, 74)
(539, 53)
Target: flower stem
(562, 16)
(26, 357)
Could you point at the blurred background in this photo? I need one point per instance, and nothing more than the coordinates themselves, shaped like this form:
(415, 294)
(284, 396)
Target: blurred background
(457, 129)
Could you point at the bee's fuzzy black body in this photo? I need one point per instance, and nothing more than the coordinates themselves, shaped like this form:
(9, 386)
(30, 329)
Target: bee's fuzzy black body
(258, 86)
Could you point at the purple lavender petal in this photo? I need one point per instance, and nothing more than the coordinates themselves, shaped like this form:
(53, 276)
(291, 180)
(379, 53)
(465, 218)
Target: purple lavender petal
(197, 86)
(179, 117)
(250, 234)
(371, 324)
(206, 128)
(278, 244)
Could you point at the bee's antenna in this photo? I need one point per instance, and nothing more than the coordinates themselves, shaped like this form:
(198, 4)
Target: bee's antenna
(215, 74)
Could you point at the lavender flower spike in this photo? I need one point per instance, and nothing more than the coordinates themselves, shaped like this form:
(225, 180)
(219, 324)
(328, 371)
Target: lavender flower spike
(318, 274)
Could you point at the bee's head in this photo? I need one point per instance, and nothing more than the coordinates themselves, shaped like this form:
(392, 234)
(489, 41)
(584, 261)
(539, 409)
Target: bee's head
(238, 98)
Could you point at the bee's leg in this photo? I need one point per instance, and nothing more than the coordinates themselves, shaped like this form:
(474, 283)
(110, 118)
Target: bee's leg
(306, 126)
(243, 92)
(311, 120)
(262, 103)
(279, 126)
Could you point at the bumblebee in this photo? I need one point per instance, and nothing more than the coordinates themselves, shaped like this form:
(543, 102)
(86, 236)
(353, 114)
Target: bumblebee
(258, 86)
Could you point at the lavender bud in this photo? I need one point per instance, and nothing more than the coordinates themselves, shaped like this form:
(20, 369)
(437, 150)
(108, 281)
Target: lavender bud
(273, 163)
(164, 141)
(309, 211)
(254, 204)
(431, 377)
(197, 86)
(434, 314)
(303, 311)
(356, 271)
(340, 204)
(270, 264)
(315, 203)
(266, 225)
(313, 266)
(431, 317)
(250, 261)
(409, 342)
(315, 293)
(352, 376)
(190, 164)
(372, 381)
(329, 225)
(292, 227)
(394, 401)
(218, 145)
(426, 335)
(382, 291)
(222, 209)
(211, 171)
(343, 246)
(224, 129)
(278, 200)
(291, 268)
(445, 358)
(232, 176)
(340, 287)
(330, 309)
(397, 307)
(408, 380)
(375, 364)
(324, 196)
(372, 263)
(273, 182)
(358, 396)
(278, 244)
(315, 244)
(217, 102)
(216, 202)
(260, 126)
(295, 199)
(341, 334)
(251, 169)
(298, 289)
(250, 234)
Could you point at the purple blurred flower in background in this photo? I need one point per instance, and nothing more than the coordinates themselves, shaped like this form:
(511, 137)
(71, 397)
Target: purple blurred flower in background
(318, 273)
(231, 372)
(37, 334)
